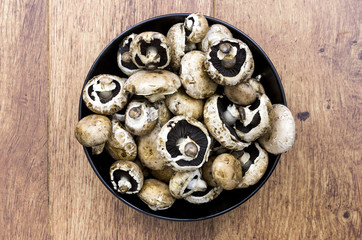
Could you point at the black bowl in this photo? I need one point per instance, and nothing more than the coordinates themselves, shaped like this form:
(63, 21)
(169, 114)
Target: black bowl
(106, 63)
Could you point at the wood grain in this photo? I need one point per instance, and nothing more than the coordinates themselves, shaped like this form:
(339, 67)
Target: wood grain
(23, 117)
(315, 192)
(80, 206)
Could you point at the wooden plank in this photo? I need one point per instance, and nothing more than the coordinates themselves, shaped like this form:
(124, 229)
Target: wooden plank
(80, 206)
(315, 191)
(23, 117)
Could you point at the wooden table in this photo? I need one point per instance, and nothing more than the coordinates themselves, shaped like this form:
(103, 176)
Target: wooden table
(48, 189)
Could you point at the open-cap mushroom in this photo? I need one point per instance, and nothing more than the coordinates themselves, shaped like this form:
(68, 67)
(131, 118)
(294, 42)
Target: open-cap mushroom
(180, 103)
(154, 85)
(219, 119)
(124, 58)
(141, 117)
(254, 161)
(216, 33)
(194, 77)
(121, 145)
(196, 27)
(255, 119)
(126, 177)
(280, 138)
(93, 131)
(156, 195)
(184, 142)
(150, 50)
(183, 184)
(201, 197)
(227, 171)
(147, 150)
(244, 93)
(105, 94)
(229, 61)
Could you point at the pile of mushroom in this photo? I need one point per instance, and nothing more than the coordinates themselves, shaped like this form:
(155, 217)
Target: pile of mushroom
(190, 120)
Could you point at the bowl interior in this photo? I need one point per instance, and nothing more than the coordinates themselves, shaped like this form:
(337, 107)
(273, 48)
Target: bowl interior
(106, 63)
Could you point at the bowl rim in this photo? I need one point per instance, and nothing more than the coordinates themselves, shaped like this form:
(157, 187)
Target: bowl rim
(260, 184)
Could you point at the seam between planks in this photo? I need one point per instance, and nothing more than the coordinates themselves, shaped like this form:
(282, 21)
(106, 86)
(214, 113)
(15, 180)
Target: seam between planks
(48, 114)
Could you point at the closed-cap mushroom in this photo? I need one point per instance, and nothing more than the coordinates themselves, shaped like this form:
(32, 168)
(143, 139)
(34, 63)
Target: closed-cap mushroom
(121, 145)
(216, 33)
(281, 136)
(124, 58)
(164, 174)
(194, 77)
(229, 61)
(255, 119)
(153, 85)
(196, 27)
(183, 184)
(177, 41)
(105, 94)
(147, 150)
(204, 197)
(254, 161)
(141, 117)
(244, 93)
(156, 195)
(227, 171)
(93, 131)
(180, 103)
(184, 142)
(150, 50)
(126, 177)
(219, 119)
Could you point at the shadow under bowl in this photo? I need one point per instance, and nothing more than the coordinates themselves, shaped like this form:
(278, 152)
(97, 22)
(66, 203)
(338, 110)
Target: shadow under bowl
(106, 63)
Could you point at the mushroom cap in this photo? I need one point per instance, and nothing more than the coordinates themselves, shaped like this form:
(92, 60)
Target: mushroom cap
(241, 94)
(147, 150)
(180, 103)
(257, 119)
(164, 174)
(156, 195)
(222, 132)
(177, 42)
(183, 184)
(280, 138)
(207, 172)
(150, 48)
(127, 169)
(207, 196)
(153, 85)
(227, 171)
(242, 69)
(188, 130)
(121, 145)
(93, 130)
(164, 113)
(216, 33)
(196, 27)
(124, 59)
(141, 117)
(105, 94)
(194, 77)
(254, 161)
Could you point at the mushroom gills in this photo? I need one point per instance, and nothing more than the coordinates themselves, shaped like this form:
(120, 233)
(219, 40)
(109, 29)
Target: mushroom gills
(128, 183)
(104, 96)
(196, 185)
(183, 129)
(123, 50)
(251, 153)
(151, 51)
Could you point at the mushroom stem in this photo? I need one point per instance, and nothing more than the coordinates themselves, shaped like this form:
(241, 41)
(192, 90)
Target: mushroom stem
(126, 57)
(228, 63)
(105, 94)
(231, 115)
(98, 149)
(188, 147)
(225, 47)
(197, 185)
(151, 52)
(124, 184)
(135, 112)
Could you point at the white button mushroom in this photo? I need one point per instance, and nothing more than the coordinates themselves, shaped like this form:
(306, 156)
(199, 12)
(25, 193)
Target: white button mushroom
(93, 131)
(227, 171)
(280, 138)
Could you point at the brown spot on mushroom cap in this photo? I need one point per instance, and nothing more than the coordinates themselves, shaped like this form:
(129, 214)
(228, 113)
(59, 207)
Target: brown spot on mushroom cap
(156, 195)
(227, 171)
(93, 130)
